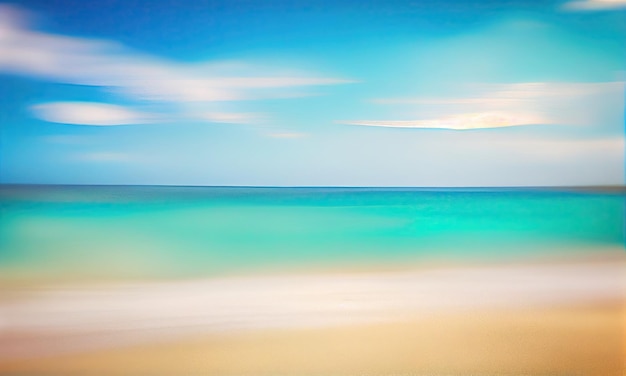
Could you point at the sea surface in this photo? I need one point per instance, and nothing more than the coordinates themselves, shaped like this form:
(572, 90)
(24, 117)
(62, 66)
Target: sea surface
(62, 232)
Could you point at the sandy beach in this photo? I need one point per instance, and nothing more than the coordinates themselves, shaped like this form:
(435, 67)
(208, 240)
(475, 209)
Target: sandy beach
(582, 340)
(534, 318)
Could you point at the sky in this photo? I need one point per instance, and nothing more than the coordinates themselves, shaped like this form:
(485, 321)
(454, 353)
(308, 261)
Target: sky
(313, 93)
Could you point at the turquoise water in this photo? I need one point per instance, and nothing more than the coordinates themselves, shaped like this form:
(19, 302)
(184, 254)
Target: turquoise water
(198, 231)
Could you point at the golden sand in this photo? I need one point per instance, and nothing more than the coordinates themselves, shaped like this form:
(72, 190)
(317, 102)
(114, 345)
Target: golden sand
(582, 340)
(587, 337)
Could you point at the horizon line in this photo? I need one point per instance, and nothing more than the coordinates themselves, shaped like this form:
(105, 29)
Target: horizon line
(589, 187)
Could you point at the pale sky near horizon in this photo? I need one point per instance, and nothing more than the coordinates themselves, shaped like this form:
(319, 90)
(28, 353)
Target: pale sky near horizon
(313, 93)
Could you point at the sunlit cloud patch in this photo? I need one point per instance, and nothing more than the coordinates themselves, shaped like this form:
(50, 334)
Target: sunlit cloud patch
(504, 105)
(457, 122)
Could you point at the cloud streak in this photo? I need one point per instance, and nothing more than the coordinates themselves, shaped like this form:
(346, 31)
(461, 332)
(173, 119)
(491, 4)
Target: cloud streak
(591, 5)
(470, 121)
(133, 75)
(503, 95)
(86, 113)
(505, 105)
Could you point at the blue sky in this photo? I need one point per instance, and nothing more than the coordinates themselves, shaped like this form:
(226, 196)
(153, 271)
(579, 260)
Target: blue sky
(290, 93)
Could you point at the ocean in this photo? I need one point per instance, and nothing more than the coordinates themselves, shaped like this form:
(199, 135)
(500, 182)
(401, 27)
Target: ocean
(65, 232)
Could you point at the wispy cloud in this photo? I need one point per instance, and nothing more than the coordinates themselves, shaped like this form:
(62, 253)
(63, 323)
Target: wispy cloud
(458, 122)
(590, 5)
(85, 113)
(504, 95)
(504, 105)
(134, 75)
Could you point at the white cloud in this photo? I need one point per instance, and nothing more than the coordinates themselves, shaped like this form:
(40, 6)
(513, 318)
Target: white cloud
(506, 105)
(504, 95)
(86, 113)
(590, 5)
(457, 122)
(134, 75)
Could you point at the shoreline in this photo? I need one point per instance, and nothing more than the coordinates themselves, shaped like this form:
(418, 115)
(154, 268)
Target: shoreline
(15, 280)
